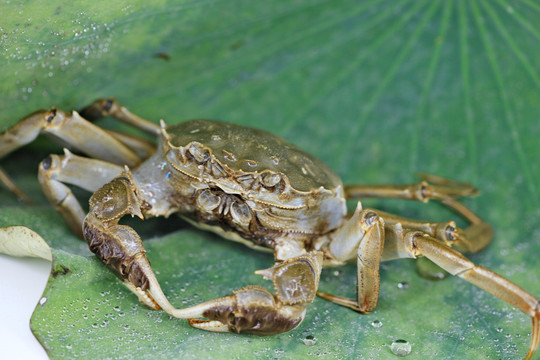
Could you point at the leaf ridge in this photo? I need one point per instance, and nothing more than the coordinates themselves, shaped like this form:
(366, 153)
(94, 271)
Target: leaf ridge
(372, 101)
(508, 114)
(428, 85)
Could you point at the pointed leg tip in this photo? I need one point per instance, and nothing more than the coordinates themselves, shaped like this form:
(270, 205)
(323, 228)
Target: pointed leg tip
(209, 325)
(535, 336)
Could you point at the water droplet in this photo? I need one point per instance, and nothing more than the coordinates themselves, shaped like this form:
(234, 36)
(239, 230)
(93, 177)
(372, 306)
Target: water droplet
(42, 301)
(337, 273)
(376, 324)
(401, 347)
(309, 340)
(403, 285)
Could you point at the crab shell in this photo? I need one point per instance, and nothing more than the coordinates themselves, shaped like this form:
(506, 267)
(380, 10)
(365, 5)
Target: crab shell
(245, 180)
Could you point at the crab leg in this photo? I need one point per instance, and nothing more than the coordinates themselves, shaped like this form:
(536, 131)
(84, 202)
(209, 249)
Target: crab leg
(431, 187)
(367, 233)
(90, 174)
(471, 239)
(362, 237)
(73, 130)
(419, 244)
(111, 107)
(6, 180)
(119, 246)
(142, 147)
(78, 133)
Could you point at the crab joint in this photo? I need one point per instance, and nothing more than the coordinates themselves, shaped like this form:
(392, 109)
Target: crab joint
(118, 246)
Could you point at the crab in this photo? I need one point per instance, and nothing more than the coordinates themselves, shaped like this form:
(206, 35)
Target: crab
(253, 187)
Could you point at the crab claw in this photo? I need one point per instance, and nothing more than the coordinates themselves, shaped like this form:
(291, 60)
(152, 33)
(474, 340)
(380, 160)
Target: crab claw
(251, 309)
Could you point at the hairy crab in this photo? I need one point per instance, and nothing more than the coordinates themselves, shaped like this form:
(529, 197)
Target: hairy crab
(253, 187)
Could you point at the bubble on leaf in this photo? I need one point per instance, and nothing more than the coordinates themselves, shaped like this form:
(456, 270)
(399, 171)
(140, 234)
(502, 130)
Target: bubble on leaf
(403, 285)
(401, 347)
(376, 324)
(309, 340)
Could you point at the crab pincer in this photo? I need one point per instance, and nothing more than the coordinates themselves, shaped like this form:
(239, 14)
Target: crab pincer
(255, 310)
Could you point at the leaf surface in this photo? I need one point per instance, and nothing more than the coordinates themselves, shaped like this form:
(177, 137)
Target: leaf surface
(378, 89)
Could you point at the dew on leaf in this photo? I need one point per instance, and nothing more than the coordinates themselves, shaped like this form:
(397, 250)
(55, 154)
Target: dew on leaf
(403, 285)
(401, 347)
(376, 323)
(310, 340)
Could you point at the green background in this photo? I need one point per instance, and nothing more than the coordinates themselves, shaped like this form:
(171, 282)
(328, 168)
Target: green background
(379, 90)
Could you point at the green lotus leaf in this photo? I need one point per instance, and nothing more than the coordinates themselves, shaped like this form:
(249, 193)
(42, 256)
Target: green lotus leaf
(379, 90)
